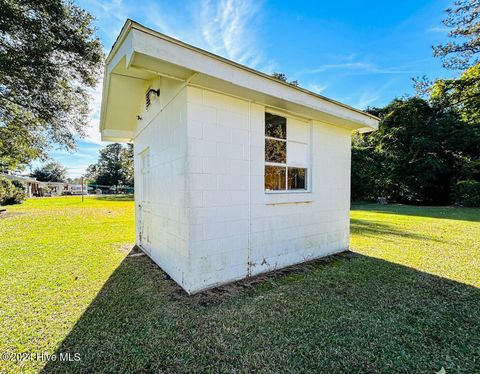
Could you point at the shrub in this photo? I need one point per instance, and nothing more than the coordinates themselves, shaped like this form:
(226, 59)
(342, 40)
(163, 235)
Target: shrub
(11, 192)
(467, 192)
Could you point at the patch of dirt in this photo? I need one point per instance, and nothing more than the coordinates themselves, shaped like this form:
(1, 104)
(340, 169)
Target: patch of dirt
(136, 254)
(169, 288)
(269, 280)
(9, 214)
(222, 293)
(127, 248)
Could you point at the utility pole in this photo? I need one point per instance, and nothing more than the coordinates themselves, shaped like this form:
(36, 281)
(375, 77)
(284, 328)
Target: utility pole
(82, 188)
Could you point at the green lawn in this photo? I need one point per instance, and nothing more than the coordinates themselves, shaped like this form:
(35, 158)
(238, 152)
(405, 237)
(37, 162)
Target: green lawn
(407, 300)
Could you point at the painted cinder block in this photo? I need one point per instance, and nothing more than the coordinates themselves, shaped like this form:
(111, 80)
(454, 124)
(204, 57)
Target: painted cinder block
(213, 223)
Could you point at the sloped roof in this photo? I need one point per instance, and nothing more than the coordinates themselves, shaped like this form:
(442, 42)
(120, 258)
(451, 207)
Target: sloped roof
(139, 53)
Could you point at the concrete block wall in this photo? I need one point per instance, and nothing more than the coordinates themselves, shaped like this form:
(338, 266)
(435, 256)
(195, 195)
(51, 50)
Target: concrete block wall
(218, 188)
(162, 133)
(236, 229)
(294, 227)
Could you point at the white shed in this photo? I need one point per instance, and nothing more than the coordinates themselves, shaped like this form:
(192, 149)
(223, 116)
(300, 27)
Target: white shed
(236, 173)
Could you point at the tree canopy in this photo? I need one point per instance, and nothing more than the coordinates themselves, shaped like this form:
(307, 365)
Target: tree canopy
(50, 172)
(462, 93)
(49, 58)
(427, 150)
(283, 78)
(461, 52)
(114, 166)
(417, 155)
(463, 48)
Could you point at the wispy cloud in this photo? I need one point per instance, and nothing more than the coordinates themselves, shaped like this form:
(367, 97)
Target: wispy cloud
(359, 67)
(165, 23)
(366, 99)
(437, 29)
(228, 28)
(110, 16)
(92, 132)
(317, 88)
(369, 96)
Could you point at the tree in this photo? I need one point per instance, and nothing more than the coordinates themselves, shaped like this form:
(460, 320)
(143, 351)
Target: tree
(283, 78)
(462, 93)
(19, 144)
(418, 154)
(50, 172)
(127, 157)
(114, 166)
(49, 58)
(464, 21)
(462, 53)
(427, 148)
(11, 192)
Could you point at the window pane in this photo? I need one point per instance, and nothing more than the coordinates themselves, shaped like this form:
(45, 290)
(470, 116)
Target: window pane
(297, 154)
(275, 151)
(274, 178)
(297, 178)
(298, 131)
(275, 126)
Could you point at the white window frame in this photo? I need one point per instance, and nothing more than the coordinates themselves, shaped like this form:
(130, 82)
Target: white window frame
(286, 165)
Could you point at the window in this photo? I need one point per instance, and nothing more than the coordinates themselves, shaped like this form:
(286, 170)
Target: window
(286, 154)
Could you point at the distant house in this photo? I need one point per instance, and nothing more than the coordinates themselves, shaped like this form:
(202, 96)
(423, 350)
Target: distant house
(236, 173)
(74, 189)
(32, 186)
(55, 188)
(35, 188)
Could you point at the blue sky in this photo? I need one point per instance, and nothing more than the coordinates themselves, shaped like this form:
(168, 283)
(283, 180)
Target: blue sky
(362, 53)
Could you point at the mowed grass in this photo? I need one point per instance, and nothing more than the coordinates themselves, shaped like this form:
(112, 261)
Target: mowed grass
(55, 255)
(407, 300)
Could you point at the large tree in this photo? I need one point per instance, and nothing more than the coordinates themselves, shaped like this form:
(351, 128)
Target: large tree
(461, 94)
(463, 49)
(49, 58)
(50, 172)
(461, 52)
(418, 154)
(114, 166)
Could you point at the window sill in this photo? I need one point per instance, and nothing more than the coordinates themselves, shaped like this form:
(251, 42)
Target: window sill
(286, 192)
(288, 197)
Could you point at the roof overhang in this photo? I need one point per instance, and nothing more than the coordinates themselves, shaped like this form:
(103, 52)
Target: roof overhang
(141, 54)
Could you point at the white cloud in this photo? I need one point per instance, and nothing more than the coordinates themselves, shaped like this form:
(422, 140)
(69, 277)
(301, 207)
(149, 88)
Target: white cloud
(228, 28)
(318, 88)
(441, 30)
(92, 132)
(359, 67)
(76, 171)
(369, 96)
(111, 14)
(365, 99)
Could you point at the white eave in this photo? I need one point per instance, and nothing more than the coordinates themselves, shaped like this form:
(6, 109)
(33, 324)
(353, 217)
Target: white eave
(141, 54)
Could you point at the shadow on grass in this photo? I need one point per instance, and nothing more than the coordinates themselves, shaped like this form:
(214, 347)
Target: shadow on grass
(114, 197)
(448, 212)
(349, 313)
(375, 229)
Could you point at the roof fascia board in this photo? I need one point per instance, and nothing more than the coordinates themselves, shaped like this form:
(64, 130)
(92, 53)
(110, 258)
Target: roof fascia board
(126, 49)
(144, 40)
(117, 135)
(162, 48)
